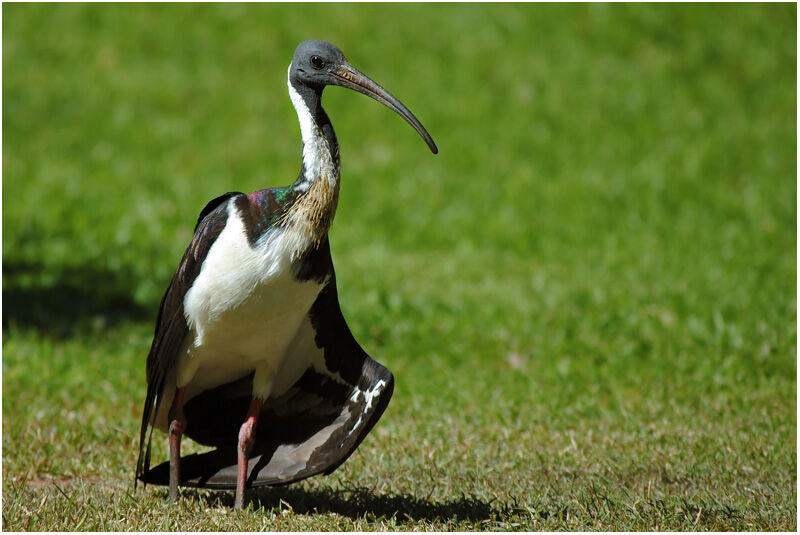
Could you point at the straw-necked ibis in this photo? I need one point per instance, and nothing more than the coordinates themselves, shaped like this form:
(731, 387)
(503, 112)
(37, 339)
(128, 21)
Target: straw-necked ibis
(251, 353)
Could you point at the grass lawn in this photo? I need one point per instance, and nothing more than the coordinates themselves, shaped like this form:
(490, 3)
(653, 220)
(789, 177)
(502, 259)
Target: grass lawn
(588, 298)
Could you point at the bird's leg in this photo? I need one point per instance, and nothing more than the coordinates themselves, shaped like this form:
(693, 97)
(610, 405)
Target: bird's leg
(247, 437)
(177, 425)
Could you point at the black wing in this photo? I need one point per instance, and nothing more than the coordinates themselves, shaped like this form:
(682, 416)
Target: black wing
(171, 328)
(310, 429)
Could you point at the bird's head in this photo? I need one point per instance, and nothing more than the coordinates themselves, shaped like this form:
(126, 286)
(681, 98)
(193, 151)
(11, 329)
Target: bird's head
(318, 63)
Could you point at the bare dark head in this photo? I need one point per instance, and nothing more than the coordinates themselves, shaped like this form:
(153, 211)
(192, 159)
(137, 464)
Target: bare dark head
(313, 62)
(318, 63)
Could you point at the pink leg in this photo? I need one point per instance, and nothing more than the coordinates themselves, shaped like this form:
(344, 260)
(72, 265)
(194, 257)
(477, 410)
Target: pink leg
(247, 437)
(177, 425)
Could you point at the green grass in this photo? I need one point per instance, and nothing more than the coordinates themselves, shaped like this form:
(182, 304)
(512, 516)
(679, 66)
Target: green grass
(588, 298)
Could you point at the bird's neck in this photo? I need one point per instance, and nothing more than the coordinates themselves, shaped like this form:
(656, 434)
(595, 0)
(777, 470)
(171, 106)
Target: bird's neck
(317, 186)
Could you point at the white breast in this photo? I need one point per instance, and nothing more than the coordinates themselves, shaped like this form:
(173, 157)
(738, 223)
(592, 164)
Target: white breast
(243, 310)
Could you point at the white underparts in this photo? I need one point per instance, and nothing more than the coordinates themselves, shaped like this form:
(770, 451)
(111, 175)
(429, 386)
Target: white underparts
(244, 309)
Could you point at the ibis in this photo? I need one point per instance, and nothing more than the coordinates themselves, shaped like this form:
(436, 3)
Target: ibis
(251, 354)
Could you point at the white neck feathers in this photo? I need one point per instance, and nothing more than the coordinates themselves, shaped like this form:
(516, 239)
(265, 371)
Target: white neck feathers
(317, 159)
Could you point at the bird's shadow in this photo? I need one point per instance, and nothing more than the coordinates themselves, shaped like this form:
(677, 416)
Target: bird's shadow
(61, 300)
(356, 503)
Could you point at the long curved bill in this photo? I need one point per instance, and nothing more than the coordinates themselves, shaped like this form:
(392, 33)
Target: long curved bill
(350, 77)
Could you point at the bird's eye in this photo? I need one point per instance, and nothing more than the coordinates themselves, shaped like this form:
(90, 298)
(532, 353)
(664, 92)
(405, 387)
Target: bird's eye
(317, 62)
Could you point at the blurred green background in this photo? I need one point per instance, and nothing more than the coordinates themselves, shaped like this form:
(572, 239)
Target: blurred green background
(588, 298)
